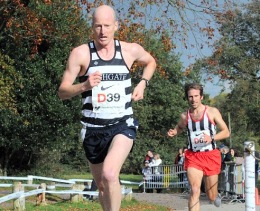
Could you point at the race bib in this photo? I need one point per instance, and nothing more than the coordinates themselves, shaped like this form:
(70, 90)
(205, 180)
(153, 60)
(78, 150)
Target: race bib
(197, 139)
(108, 98)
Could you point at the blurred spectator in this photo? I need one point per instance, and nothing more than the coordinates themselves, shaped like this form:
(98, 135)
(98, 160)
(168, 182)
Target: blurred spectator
(179, 162)
(179, 157)
(225, 154)
(149, 156)
(185, 173)
(156, 170)
(156, 161)
(147, 176)
(233, 154)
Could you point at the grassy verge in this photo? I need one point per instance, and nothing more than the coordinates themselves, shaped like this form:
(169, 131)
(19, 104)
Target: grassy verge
(132, 205)
(59, 205)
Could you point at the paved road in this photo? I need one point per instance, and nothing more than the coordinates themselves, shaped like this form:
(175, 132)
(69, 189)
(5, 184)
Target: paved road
(179, 202)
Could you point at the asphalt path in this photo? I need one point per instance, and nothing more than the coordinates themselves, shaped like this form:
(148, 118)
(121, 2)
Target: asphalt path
(179, 202)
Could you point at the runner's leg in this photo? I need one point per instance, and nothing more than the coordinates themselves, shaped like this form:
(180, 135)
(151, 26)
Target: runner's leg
(194, 177)
(107, 174)
(211, 187)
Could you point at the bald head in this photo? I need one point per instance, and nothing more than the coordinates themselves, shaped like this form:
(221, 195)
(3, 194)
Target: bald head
(104, 11)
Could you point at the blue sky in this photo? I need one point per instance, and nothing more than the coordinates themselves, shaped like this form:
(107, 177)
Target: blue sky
(189, 55)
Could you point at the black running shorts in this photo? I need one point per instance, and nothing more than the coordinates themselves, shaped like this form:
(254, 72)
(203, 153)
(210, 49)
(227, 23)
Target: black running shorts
(97, 140)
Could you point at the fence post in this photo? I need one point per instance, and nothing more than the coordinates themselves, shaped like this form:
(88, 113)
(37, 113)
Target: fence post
(30, 180)
(144, 185)
(41, 200)
(19, 203)
(76, 197)
(249, 152)
(126, 195)
(166, 177)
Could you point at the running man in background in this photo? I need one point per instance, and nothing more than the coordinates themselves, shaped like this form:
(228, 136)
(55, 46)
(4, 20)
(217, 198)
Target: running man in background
(109, 129)
(202, 159)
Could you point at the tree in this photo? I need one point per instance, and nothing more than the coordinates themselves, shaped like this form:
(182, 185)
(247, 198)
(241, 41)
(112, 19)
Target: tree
(237, 52)
(236, 60)
(9, 82)
(37, 38)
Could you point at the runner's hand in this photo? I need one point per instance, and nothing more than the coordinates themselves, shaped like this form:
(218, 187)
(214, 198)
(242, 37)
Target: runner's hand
(93, 80)
(207, 138)
(138, 93)
(172, 132)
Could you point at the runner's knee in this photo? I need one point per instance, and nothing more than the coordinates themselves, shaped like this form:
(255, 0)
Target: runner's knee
(110, 176)
(195, 190)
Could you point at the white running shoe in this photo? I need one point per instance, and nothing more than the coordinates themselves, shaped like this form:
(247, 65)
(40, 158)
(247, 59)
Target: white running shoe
(217, 201)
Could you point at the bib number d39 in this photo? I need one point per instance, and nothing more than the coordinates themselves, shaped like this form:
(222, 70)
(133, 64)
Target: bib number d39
(108, 100)
(110, 97)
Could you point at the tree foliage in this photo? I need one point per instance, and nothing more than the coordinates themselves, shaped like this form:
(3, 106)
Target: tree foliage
(237, 53)
(236, 60)
(37, 36)
(9, 82)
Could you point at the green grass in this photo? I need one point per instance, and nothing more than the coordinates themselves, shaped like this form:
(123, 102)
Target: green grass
(127, 205)
(131, 177)
(78, 176)
(64, 206)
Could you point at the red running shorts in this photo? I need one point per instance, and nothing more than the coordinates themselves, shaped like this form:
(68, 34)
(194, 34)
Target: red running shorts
(209, 162)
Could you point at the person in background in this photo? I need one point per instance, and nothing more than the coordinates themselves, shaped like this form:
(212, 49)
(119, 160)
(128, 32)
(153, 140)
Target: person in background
(202, 159)
(179, 156)
(109, 129)
(156, 170)
(185, 179)
(233, 154)
(226, 155)
(179, 164)
(156, 161)
(147, 177)
(149, 156)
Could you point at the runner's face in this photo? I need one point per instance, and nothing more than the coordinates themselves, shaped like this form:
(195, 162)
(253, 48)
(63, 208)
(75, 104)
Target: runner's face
(104, 27)
(194, 98)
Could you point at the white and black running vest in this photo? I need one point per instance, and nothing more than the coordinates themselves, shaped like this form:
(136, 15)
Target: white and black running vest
(110, 102)
(195, 130)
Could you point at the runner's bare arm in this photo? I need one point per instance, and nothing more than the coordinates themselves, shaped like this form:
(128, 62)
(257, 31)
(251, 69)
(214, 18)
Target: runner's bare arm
(77, 62)
(223, 129)
(141, 56)
(179, 127)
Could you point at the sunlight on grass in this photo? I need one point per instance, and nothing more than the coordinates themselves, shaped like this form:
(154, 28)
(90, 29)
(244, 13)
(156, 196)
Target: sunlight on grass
(132, 205)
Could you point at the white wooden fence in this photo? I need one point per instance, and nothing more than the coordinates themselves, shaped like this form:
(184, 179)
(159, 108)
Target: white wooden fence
(75, 189)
